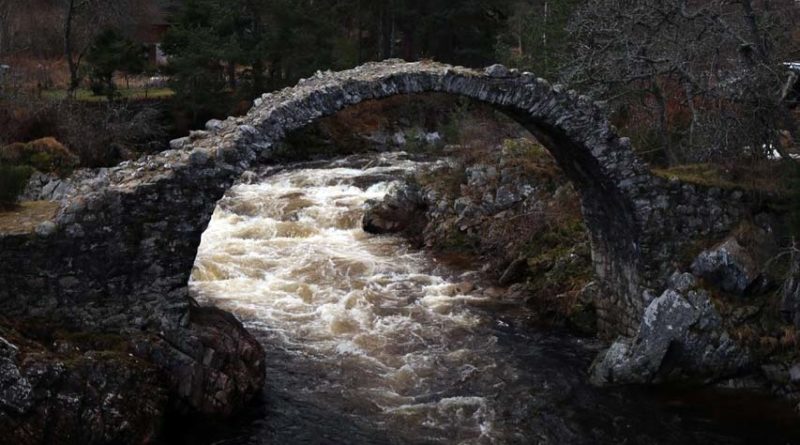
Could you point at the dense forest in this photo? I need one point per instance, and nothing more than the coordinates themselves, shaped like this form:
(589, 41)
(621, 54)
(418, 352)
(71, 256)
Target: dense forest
(688, 81)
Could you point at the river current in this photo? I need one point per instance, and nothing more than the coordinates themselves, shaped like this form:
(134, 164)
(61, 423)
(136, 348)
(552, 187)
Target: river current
(370, 341)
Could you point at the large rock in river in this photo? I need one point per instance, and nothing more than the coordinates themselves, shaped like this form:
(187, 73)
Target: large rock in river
(401, 210)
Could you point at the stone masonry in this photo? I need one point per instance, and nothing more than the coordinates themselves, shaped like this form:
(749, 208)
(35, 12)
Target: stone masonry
(126, 237)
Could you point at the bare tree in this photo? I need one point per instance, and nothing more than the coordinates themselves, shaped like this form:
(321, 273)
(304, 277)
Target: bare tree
(709, 74)
(5, 14)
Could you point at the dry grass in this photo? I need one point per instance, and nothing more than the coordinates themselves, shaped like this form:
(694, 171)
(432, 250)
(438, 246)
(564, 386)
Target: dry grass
(26, 216)
(85, 95)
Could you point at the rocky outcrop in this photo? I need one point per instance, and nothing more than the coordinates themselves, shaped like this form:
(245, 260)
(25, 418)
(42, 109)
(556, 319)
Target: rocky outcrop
(736, 265)
(213, 366)
(501, 203)
(728, 266)
(116, 386)
(71, 393)
(91, 401)
(681, 336)
(790, 292)
(401, 210)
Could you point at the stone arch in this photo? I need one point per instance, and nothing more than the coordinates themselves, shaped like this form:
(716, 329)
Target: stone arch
(131, 233)
(603, 167)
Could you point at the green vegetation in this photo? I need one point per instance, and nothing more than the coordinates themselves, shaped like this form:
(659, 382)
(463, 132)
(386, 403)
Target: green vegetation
(111, 52)
(535, 36)
(708, 175)
(46, 155)
(223, 50)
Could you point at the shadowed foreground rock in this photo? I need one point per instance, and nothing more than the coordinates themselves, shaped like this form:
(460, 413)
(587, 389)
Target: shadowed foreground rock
(61, 387)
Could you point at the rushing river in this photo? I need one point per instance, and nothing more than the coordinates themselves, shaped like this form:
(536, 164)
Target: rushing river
(370, 341)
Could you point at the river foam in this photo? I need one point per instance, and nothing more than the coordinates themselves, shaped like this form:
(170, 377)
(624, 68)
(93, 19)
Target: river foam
(370, 341)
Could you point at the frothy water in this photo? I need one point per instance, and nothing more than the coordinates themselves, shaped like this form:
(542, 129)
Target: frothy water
(371, 341)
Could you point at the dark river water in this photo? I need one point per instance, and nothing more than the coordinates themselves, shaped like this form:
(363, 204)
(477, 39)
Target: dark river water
(369, 341)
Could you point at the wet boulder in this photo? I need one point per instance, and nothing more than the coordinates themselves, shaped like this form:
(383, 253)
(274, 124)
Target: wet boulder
(401, 210)
(680, 335)
(213, 365)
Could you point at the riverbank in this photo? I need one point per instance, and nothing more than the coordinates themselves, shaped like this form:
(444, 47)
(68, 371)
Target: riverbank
(371, 339)
(116, 381)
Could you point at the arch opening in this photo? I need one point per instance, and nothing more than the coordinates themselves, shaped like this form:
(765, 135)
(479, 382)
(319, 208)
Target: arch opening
(349, 301)
(611, 180)
(131, 233)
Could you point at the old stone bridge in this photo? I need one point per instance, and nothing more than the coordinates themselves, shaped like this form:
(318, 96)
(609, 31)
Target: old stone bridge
(126, 237)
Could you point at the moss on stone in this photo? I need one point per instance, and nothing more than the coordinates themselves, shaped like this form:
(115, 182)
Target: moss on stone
(707, 175)
(764, 177)
(457, 241)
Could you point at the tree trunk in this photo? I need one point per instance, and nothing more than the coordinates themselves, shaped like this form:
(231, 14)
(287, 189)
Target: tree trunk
(392, 30)
(661, 104)
(689, 92)
(545, 49)
(3, 26)
(232, 75)
(258, 76)
(761, 49)
(74, 80)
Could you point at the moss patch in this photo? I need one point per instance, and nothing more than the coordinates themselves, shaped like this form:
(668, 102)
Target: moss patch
(13, 180)
(707, 175)
(764, 177)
